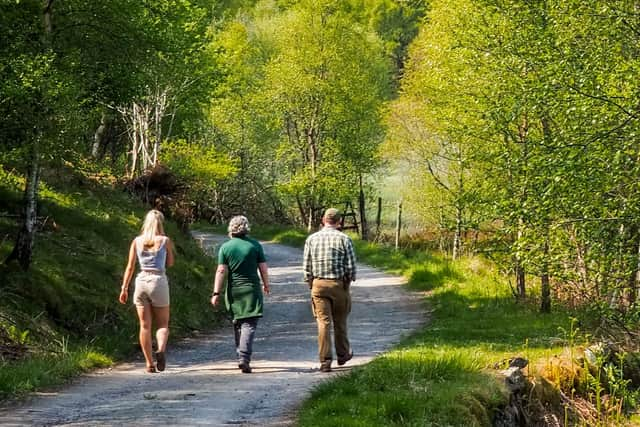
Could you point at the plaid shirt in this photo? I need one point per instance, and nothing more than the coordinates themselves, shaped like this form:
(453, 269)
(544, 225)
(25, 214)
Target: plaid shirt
(329, 254)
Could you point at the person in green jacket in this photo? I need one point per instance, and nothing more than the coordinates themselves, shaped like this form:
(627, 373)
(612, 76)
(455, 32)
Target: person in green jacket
(241, 259)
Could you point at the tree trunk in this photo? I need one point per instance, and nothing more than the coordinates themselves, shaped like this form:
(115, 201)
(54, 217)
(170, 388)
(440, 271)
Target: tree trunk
(23, 249)
(545, 286)
(310, 220)
(144, 125)
(457, 238)
(633, 279)
(459, 193)
(301, 209)
(133, 132)
(379, 217)
(521, 286)
(99, 137)
(520, 273)
(545, 302)
(523, 134)
(312, 145)
(398, 225)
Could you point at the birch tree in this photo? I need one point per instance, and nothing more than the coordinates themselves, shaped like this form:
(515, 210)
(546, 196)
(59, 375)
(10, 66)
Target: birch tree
(43, 80)
(64, 63)
(312, 103)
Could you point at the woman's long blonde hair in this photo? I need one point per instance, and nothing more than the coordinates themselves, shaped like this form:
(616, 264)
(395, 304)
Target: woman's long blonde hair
(152, 227)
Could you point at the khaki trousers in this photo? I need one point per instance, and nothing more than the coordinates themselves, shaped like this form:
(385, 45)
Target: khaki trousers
(331, 303)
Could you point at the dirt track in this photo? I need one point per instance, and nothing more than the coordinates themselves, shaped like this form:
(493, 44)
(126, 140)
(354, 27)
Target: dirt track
(203, 385)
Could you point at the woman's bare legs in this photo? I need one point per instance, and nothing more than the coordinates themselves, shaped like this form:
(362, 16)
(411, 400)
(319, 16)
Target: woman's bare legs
(144, 316)
(161, 318)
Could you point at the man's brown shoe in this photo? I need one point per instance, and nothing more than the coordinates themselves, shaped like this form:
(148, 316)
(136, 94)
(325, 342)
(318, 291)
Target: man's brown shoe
(325, 367)
(342, 361)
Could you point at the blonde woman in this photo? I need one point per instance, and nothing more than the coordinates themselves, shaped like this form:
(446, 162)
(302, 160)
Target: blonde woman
(154, 252)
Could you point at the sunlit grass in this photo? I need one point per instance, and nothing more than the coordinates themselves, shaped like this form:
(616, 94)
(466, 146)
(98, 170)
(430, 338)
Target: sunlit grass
(36, 373)
(275, 233)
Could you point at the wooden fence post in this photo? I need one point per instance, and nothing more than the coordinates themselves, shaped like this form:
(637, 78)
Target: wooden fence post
(379, 217)
(398, 224)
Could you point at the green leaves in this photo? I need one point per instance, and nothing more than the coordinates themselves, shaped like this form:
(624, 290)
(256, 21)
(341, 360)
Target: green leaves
(303, 91)
(196, 163)
(538, 101)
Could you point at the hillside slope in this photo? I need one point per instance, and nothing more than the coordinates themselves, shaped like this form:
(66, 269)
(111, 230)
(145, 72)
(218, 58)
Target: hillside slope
(62, 316)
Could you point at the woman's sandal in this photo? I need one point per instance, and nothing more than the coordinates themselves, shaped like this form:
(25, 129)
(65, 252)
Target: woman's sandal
(151, 369)
(161, 361)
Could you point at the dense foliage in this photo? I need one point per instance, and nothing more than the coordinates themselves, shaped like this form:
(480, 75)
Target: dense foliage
(62, 316)
(285, 97)
(522, 120)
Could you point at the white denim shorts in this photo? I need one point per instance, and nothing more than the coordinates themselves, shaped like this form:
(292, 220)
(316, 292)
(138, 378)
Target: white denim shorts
(152, 288)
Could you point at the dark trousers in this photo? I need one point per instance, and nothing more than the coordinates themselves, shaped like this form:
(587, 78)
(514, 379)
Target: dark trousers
(331, 303)
(244, 331)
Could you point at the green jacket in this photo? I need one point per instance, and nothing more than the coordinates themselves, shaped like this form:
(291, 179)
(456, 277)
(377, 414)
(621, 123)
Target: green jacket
(243, 296)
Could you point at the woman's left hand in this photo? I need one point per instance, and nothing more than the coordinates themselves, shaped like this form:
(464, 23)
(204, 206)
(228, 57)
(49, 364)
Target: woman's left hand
(215, 299)
(124, 295)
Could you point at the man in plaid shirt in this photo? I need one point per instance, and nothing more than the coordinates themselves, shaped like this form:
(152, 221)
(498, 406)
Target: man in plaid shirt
(329, 268)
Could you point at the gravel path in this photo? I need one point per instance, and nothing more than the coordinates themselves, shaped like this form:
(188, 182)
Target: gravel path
(203, 385)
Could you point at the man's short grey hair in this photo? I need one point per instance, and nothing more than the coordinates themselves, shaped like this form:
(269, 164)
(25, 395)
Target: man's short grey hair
(239, 225)
(332, 215)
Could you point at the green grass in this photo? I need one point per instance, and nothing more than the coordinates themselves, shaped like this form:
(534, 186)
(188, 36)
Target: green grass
(444, 374)
(37, 373)
(280, 234)
(65, 308)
